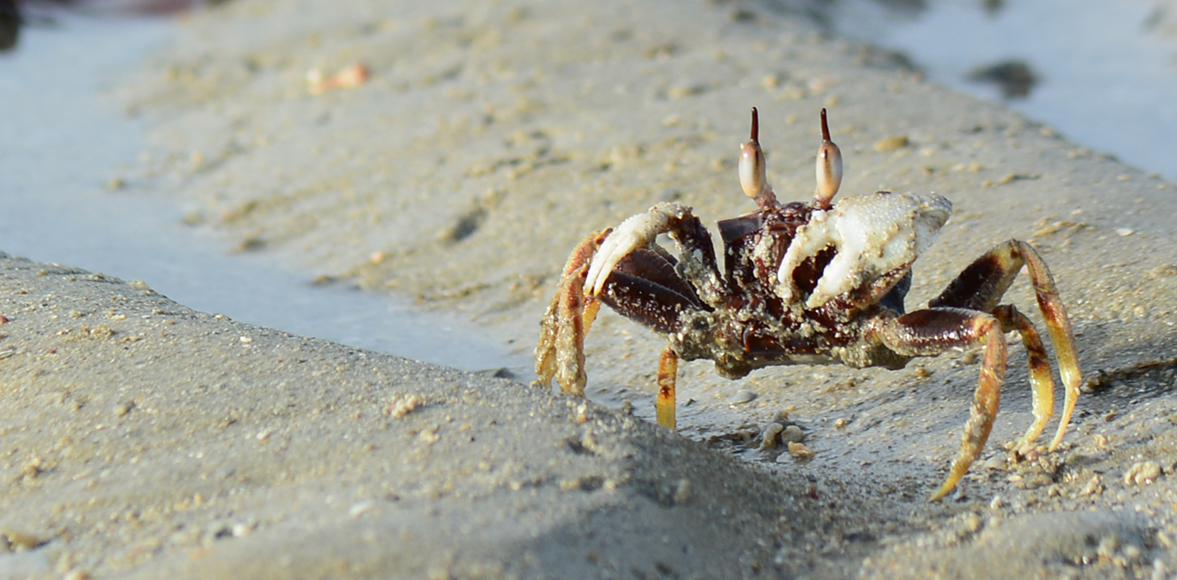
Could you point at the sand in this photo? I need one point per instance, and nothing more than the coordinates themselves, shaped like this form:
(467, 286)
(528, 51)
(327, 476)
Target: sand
(147, 440)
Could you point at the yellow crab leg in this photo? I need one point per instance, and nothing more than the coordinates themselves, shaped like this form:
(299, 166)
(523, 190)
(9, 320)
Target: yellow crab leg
(985, 403)
(932, 331)
(1062, 335)
(664, 402)
(1041, 380)
(981, 286)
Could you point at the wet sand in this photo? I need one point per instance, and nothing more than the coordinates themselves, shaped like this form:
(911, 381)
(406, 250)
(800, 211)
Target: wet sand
(145, 439)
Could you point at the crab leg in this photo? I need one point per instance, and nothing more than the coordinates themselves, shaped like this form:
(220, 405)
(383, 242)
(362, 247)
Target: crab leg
(664, 403)
(981, 286)
(560, 352)
(932, 331)
(642, 285)
(1040, 377)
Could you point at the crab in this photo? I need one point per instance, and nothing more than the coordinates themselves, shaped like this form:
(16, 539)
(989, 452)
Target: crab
(810, 283)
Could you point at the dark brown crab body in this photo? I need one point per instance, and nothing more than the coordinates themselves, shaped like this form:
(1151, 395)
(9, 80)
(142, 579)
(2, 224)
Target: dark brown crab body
(807, 283)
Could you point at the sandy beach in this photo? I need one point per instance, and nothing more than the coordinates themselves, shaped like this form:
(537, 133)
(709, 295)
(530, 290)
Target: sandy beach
(147, 440)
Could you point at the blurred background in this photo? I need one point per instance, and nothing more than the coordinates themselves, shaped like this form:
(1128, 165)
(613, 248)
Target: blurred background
(1104, 74)
(62, 139)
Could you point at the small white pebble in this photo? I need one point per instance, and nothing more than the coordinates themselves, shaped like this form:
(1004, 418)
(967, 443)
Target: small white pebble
(1159, 570)
(742, 397)
(792, 434)
(360, 508)
(770, 435)
(996, 462)
(800, 451)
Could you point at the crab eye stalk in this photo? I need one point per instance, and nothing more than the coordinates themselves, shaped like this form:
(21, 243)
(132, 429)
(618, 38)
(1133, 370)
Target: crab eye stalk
(752, 167)
(829, 167)
(752, 176)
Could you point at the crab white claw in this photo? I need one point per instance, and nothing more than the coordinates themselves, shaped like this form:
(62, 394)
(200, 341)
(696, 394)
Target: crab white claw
(638, 231)
(873, 235)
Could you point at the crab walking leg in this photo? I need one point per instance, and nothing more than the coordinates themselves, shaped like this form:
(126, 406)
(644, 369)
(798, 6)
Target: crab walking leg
(545, 351)
(561, 348)
(981, 286)
(697, 254)
(983, 410)
(1040, 377)
(591, 306)
(932, 331)
(643, 285)
(560, 352)
(1062, 335)
(664, 403)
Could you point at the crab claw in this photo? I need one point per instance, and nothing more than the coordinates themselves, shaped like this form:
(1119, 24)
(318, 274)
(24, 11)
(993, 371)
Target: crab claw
(829, 167)
(872, 235)
(635, 232)
(752, 167)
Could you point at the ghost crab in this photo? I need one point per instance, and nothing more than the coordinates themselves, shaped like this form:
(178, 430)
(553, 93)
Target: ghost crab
(809, 283)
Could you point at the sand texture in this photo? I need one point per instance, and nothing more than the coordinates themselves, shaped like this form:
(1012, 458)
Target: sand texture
(143, 439)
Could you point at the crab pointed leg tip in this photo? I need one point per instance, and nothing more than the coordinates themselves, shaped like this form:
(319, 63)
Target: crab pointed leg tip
(944, 489)
(1058, 437)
